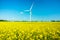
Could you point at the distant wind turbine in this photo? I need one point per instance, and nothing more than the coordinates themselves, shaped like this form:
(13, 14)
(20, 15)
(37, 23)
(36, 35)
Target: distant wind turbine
(30, 10)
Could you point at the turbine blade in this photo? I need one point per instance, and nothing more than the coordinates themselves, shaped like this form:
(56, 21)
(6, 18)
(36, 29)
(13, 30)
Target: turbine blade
(31, 6)
(27, 10)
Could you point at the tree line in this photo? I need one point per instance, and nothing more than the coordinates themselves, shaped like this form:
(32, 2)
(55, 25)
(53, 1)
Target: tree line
(31, 21)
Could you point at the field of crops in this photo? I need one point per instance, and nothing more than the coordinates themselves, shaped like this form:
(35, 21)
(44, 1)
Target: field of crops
(29, 30)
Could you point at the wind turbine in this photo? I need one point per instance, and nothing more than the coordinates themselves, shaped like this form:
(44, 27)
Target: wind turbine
(30, 10)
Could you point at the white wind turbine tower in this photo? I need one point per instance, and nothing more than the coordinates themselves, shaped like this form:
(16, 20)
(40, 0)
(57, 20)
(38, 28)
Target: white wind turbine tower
(30, 10)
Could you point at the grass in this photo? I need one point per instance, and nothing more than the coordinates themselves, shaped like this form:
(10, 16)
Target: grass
(29, 30)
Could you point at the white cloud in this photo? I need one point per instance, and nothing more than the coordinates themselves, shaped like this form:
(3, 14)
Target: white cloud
(21, 12)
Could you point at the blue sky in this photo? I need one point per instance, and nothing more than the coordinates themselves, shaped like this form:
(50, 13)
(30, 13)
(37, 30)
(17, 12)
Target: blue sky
(42, 9)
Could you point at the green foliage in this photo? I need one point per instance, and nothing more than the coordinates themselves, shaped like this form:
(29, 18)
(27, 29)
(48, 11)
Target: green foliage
(3, 20)
(29, 21)
(55, 20)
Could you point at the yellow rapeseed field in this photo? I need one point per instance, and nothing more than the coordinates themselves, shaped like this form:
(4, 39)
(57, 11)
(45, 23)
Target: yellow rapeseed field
(29, 30)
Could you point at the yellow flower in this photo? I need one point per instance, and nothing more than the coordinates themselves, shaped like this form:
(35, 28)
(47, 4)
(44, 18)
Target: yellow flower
(31, 39)
(41, 36)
